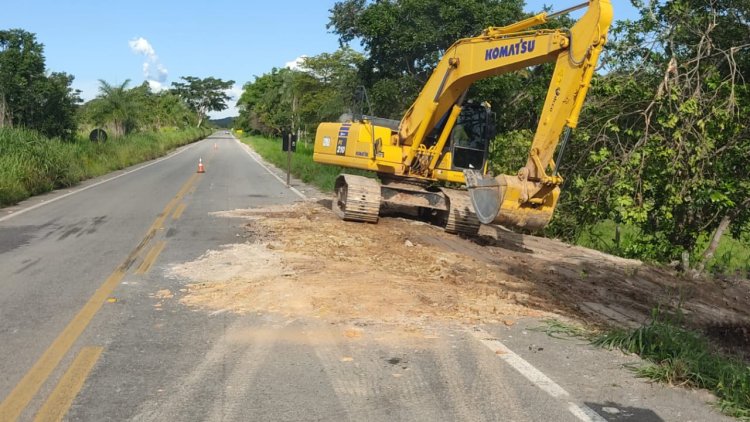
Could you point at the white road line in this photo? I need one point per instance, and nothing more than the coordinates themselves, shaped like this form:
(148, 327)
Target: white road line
(584, 413)
(534, 375)
(47, 202)
(252, 155)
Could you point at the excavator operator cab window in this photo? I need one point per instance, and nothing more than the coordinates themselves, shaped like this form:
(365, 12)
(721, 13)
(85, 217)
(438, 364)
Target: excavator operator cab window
(470, 137)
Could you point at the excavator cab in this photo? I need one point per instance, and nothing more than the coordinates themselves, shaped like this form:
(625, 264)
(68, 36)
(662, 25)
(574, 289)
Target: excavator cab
(470, 137)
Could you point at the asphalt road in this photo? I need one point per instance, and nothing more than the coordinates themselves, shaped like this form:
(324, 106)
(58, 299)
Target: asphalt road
(85, 333)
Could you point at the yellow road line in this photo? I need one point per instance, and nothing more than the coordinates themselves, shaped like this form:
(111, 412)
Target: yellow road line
(14, 404)
(19, 398)
(178, 212)
(177, 198)
(58, 403)
(151, 256)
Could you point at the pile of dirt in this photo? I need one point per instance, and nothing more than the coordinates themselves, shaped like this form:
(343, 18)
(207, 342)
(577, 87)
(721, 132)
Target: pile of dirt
(304, 262)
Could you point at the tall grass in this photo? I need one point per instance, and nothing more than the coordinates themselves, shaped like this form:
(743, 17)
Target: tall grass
(684, 357)
(303, 166)
(732, 257)
(31, 164)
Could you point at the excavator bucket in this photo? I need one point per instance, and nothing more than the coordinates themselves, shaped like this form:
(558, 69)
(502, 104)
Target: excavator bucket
(499, 200)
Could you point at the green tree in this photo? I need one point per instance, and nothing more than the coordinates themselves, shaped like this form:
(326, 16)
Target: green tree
(328, 84)
(665, 134)
(169, 110)
(115, 105)
(203, 95)
(21, 70)
(55, 114)
(405, 39)
(28, 96)
(276, 100)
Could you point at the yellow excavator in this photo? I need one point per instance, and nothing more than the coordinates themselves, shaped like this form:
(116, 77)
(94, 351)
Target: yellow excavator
(444, 138)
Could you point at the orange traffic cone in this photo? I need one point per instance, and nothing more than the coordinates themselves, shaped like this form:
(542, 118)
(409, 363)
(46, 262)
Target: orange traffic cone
(201, 169)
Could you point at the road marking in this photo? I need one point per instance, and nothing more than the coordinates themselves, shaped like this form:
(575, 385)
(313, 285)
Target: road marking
(584, 413)
(41, 204)
(178, 212)
(58, 403)
(248, 151)
(151, 256)
(26, 389)
(14, 404)
(581, 411)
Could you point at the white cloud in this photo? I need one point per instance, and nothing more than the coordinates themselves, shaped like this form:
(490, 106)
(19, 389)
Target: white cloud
(141, 45)
(296, 63)
(156, 86)
(153, 71)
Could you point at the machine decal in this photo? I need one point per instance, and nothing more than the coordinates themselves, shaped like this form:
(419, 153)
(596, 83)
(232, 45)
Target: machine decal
(341, 141)
(326, 141)
(520, 47)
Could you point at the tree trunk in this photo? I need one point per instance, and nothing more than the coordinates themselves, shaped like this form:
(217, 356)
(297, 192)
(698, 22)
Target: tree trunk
(711, 249)
(5, 119)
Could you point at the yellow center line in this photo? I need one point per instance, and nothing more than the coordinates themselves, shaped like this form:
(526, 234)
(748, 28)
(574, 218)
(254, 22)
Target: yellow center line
(58, 403)
(178, 212)
(14, 404)
(151, 256)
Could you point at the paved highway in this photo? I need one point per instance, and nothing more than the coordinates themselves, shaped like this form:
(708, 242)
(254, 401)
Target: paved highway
(87, 332)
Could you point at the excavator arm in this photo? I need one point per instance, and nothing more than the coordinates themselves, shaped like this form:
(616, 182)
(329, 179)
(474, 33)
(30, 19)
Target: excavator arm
(507, 49)
(528, 198)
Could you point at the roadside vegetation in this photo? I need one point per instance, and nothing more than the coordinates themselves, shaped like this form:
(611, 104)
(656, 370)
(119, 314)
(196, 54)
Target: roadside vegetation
(31, 164)
(303, 166)
(684, 357)
(44, 127)
(673, 355)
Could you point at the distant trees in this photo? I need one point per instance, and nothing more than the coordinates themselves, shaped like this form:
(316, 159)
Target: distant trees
(29, 97)
(203, 95)
(124, 110)
(322, 89)
(33, 98)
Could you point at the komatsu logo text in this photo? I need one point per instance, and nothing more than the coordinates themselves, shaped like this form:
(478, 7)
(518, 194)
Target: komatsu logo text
(520, 47)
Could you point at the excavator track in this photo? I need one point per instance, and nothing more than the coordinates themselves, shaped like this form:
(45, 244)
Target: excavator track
(461, 217)
(356, 198)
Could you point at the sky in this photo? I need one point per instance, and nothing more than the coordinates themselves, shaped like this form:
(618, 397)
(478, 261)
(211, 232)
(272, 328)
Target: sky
(159, 41)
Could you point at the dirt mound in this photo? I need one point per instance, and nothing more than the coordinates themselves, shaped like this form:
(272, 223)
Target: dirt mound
(306, 262)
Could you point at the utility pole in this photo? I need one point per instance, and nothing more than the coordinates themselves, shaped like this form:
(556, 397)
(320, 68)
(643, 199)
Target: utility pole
(288, 145)
(288, 159)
